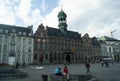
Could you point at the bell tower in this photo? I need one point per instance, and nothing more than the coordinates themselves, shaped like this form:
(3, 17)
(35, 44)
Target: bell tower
(62, 21)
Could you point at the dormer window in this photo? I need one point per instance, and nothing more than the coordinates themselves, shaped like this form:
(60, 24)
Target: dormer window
(1, 30)
(13, 30)
(6, 31)
(20, 33)
(29, 34)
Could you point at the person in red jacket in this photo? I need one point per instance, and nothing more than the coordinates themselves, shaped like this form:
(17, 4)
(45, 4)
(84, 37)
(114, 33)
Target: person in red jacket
(66, 74)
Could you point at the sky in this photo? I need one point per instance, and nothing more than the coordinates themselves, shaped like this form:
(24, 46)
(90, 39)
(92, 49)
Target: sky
(95, 17)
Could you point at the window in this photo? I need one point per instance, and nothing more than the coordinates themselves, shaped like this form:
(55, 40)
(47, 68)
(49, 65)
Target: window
(23, 40)
(0, 48)
(6, 31)
(30, 41)
(41, 34)
(13, 30)
(110, 49)
(20, 33)
(5, 48)
(19, 57)
(19, 48)
(0, 57)
(13, 39)
(5, 39)
(19, 40)
(23, 50)
(1, 37)
(4, 58)
(1, 30)
(23, 58)
(24, 33)
(29, 58)
(114, 50)
(29, 49)
(30, 34)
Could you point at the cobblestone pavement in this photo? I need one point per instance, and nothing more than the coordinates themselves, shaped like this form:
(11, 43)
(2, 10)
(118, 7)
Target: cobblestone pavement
(111, 73)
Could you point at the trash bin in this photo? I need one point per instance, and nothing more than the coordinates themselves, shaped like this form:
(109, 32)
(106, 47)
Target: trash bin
(44, 77)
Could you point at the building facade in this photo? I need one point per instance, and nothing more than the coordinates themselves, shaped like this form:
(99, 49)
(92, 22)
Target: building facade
(110, 48)
(91, 49)
(52, 45)
(16, 42)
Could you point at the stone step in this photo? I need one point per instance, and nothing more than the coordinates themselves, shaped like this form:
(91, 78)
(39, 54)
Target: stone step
(73, 77)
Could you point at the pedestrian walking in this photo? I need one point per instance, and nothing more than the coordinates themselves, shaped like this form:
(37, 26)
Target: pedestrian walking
(87, 65)
(23, 64)
(66, 73)
(102, 63)
(17, 65)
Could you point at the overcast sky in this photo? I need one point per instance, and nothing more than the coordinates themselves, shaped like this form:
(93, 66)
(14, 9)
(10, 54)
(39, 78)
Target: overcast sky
(95, 17)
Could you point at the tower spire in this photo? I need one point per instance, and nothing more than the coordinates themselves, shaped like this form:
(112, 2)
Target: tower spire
(62, 21)
(61, 7)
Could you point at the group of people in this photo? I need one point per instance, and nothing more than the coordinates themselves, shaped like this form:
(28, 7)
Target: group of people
(65, 73)
(16, 65)
(106, 63)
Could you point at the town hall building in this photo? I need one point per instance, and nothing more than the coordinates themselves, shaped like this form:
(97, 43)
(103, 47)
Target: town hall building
(53, 45)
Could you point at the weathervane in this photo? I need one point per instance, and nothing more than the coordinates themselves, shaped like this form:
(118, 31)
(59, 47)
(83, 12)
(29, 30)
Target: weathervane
(61, 4)
(61, 7)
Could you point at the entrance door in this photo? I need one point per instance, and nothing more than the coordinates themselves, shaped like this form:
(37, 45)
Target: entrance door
(68, 58)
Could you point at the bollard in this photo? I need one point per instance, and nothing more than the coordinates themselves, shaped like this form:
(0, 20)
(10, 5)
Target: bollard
(44, 77)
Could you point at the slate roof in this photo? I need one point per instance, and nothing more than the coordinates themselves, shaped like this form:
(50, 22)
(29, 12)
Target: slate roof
(105, 38)
(53, 32)
(17, 29)
(95, 41)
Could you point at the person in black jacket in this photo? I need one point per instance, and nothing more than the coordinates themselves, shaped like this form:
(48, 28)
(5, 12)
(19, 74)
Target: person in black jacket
(87, 65)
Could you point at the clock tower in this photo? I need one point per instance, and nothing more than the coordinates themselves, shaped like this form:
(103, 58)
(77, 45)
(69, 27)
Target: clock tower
(62, 21)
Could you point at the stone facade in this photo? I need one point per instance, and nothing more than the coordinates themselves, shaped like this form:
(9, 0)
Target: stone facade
(52, 45)
(16, 42)
(51, 49)
(110, 48)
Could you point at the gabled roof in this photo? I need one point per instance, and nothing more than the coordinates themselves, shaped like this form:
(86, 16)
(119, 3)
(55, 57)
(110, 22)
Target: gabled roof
(105, 38)
(54, 32)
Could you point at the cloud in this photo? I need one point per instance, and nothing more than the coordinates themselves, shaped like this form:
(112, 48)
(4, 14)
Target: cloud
(28, 15)
(24, 8)
(43, 5)
(94, 17)
(7, 15)
(51, 19)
